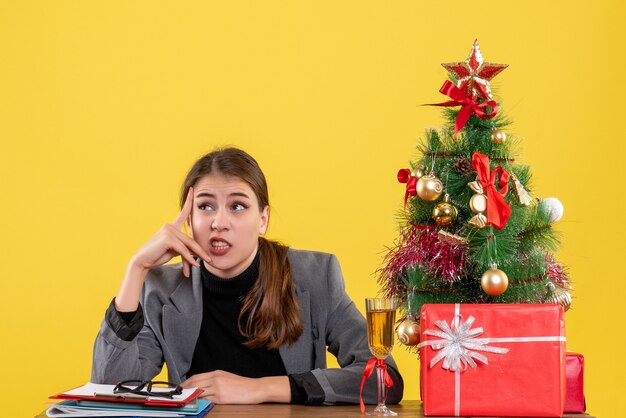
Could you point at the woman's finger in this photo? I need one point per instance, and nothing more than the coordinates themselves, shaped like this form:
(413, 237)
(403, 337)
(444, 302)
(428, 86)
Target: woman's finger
(193, 246)
(186, 268)
(197, 380)
(186, 211)
(180, 248)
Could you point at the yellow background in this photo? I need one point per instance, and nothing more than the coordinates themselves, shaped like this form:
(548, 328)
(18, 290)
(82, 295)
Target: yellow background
(105, 105)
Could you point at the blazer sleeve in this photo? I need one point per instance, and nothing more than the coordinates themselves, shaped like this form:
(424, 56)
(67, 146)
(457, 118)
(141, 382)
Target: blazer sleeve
(346, 338)
(121, 354)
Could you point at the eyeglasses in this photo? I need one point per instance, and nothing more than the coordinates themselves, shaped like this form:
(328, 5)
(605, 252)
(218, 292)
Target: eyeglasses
(148, 388)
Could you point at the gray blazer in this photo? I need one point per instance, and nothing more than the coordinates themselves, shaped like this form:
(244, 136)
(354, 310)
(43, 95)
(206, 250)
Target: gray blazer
(172, 306)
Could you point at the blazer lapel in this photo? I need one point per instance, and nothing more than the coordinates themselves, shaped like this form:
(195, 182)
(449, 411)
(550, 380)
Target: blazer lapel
(298, 358)
(181, 322)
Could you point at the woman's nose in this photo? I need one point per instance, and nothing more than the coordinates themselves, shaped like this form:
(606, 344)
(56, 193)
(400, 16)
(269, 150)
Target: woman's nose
(220, 221)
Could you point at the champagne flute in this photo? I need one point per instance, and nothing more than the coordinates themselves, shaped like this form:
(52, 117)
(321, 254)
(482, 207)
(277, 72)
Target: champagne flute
(381, 320)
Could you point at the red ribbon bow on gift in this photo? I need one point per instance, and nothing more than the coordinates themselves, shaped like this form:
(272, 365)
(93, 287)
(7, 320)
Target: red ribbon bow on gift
(404, 176)
(468, 105)
(367, 372)
(498, 210)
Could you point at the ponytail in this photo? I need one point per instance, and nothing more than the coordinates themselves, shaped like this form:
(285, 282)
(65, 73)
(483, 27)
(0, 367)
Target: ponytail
(270, 315)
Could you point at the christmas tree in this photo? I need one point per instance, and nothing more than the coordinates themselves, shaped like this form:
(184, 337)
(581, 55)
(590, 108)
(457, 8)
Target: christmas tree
(471, 231)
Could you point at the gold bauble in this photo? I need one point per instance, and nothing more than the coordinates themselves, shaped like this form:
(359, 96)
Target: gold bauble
(478, 203)
(494, 282)
(408, 331)
(429, 188)
(563, 298)
(498, 136)
(419, 172)
(560, 296)
(444, 212)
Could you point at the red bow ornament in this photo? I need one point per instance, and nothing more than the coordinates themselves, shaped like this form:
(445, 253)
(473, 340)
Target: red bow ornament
(498, 210)
(367, 372)
(405, 176)
(469, 105)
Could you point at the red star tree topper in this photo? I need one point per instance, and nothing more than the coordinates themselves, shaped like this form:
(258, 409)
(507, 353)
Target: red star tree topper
(473, 74)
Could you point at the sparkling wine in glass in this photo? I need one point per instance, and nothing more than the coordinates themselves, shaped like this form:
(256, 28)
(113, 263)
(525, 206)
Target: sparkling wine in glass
(381, 320)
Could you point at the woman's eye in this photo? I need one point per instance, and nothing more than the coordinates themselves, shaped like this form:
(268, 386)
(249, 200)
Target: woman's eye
(205, 207)
(239, 206)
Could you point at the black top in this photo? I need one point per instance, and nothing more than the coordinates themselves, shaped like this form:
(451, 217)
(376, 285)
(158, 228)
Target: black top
(222, 300)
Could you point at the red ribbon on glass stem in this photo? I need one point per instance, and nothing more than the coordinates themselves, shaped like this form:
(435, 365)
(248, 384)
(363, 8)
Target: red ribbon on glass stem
(498, 210)
(468, 105)
(404, 176)
(367, 372)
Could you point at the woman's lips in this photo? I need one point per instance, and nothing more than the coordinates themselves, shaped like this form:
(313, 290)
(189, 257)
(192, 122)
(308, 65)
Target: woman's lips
(219, 247)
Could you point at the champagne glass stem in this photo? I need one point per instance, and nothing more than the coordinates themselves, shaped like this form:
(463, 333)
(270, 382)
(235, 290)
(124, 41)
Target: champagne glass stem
(382, 389)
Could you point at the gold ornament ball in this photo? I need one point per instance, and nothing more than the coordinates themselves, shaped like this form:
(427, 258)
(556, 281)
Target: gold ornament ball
(408, 331)
(444, 212)
(562, 297)
(478, 203)
(498, 136)
(419, 172)
(494, 282)
(429, 188)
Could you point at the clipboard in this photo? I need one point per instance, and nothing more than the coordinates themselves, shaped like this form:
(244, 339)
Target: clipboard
(104, 393)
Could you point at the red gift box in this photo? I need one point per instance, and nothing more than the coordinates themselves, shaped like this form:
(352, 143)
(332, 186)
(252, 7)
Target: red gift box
(574, 383)
(492, 360)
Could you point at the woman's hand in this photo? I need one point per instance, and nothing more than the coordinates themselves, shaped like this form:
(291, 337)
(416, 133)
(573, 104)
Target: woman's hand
(170, 241)
(227, 388)
(166, 244)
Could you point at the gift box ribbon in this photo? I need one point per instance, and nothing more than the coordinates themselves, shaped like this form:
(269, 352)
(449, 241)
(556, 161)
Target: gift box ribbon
(460, 347)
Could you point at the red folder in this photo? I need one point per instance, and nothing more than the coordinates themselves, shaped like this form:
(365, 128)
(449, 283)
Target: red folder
(104, 393)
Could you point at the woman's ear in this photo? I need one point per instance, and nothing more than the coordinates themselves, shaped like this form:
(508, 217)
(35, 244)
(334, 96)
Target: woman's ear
(265, 218)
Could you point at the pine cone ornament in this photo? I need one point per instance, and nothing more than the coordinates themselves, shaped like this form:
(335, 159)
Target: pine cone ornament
(464, 167)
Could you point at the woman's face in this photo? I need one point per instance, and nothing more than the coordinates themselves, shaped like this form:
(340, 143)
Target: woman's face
(226, 221)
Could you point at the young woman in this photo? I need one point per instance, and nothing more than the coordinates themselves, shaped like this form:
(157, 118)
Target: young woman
(246, 319)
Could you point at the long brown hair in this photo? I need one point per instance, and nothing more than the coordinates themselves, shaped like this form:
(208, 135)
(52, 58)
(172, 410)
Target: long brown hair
(270, 315)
